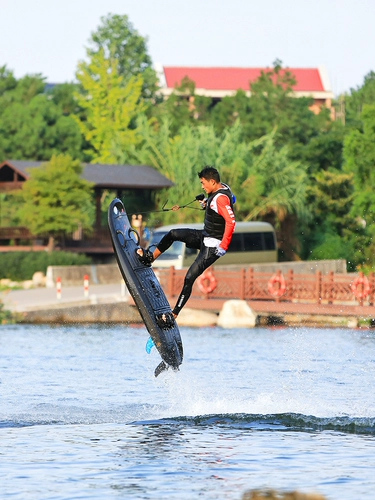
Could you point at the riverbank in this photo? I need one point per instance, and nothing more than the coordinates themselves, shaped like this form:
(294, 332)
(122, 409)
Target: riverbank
(111, 303)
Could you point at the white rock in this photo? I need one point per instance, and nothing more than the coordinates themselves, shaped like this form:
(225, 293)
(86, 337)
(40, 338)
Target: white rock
(236, 314)
(196, 317)
(39, 279)
(26, 285)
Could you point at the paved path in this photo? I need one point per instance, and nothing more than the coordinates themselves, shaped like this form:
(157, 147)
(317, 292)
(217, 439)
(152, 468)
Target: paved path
(22, 300)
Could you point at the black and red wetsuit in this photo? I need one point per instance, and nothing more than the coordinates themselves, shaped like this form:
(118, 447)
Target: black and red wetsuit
(219, 224)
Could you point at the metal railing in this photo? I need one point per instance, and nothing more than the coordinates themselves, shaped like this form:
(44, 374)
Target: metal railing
(245, 284)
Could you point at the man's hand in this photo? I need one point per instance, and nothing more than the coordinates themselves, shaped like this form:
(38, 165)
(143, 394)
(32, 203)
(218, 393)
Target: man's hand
(203, 203)
(202, 200)
(220, 251)
(175, 208)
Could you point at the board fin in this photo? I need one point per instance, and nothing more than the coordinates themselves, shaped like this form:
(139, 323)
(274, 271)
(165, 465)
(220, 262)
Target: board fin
(150, 344)
(160, 368)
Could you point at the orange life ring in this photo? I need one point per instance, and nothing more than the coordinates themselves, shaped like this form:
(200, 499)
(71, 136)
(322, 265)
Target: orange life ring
(361, 287)
(277, 285)
(205, 287)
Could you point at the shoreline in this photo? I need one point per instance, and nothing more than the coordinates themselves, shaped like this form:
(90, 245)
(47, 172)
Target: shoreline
(109, 305)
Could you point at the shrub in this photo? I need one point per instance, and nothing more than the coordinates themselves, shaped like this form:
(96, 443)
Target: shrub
(20, 266)
(5, 316)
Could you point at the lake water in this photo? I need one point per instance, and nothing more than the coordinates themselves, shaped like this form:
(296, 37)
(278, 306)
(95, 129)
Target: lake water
(82, 416)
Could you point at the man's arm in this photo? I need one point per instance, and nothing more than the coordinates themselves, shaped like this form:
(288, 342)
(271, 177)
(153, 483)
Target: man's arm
(225, 210)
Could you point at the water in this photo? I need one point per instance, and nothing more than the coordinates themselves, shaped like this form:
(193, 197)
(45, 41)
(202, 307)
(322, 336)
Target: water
(82, 417)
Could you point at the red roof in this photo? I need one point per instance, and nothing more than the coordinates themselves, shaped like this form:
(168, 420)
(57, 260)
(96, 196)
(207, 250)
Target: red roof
(308, 79)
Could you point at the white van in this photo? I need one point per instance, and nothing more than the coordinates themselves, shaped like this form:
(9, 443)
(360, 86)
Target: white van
(252, 242)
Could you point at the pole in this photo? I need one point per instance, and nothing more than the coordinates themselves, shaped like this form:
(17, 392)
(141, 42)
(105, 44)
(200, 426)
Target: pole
(86, 285)
(58, 288)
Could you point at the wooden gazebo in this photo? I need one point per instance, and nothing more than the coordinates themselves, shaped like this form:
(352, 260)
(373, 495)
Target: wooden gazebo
(136, 183)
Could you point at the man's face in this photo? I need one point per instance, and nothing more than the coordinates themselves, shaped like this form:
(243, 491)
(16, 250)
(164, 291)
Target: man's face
(208, 185)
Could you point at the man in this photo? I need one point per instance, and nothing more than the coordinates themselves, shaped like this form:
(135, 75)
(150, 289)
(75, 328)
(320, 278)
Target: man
(212, 242)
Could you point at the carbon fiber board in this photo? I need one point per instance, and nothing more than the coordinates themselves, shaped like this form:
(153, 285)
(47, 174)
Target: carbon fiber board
(145, 289)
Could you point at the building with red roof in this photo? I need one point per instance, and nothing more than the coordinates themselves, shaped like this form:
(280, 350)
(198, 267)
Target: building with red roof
(219, 82)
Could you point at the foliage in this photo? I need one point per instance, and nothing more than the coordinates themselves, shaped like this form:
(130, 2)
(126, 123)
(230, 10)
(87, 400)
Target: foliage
(7, 80)
(331, 198)
(332, 246)
(359, 150)
(20, 266)
(9, 216)
(5, 315)
(63, 95)
(183, 107)
(253, 170)
(333, 230)
(357, 99)
(230, 109)
(271, 106)
(359, 157)
(323, 151)
(110, 108)
(33, 126)
(278, 156)
(122, 42)
(56, 199)
(284, 182)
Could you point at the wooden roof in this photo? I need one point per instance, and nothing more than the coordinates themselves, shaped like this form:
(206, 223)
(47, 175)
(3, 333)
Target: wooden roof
(104, 176)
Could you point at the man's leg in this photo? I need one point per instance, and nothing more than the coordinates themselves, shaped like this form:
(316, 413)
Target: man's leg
(206, 257)
(191, 237)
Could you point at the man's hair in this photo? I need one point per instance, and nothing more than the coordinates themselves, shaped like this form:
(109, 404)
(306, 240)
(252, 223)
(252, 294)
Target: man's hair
(209, 173)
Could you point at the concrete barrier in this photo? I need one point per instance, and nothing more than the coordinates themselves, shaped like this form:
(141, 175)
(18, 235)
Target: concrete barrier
(92, 313)
(99, 274)
(299, 267)
(102, 274)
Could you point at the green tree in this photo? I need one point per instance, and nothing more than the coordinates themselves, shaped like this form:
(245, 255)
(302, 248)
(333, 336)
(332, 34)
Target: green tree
(333, 233)
(357, 99)
(265, 182)
(183, 107)
(359, 155)
(230, 109)
(32, 126)
(63, 95)
(56, 199)
(110, 108)
(122, 42)
(271, 106)
(7, 80)
(324, 151)
(359, 160)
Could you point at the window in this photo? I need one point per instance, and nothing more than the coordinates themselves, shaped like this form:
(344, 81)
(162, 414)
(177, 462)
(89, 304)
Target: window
(237, 243)
(253, 242)
(269, 241)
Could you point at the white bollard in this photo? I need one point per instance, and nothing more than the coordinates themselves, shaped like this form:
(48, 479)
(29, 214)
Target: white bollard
(58, 288)
(86, 285)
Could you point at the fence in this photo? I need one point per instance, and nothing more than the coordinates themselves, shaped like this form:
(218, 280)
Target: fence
(245, 284)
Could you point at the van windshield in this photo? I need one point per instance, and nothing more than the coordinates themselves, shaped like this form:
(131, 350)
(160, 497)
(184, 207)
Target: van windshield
(175, 251)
